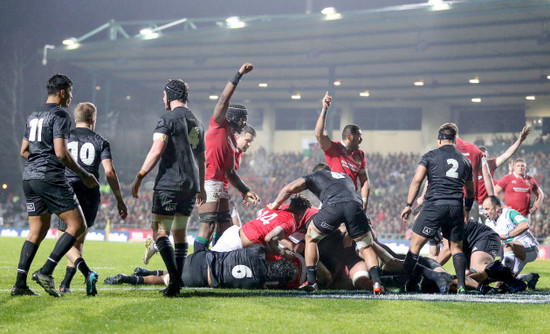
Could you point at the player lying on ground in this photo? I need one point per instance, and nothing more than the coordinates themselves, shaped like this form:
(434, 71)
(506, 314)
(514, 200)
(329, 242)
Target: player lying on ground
(247, 268)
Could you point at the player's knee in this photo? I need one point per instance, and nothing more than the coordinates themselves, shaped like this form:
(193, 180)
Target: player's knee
(314, 234)
(364, 242)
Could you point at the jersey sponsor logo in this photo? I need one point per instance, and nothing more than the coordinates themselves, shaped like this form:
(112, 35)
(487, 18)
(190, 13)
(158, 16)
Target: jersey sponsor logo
(326, 226)
(194, 137)
(30, 207)
(346, 164)
(170, 207)
(241, 271)
(520, 190)
(428, 231)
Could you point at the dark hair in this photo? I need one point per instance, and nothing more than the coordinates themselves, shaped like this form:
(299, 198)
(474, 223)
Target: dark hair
(321, 166)
(249, 129)
(448, 131)
(494, 200)
(57, 83)
(299, 204)
(281, 271)
(483, 149)
(350, 129)
(176, 90)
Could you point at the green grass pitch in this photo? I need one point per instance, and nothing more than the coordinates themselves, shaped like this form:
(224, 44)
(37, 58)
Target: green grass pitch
(125, 309)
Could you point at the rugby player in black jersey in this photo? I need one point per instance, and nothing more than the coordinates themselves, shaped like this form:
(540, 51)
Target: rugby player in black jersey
(178, 143)
(46, 189)
(448, 171)
(90, 150)
(340, 203)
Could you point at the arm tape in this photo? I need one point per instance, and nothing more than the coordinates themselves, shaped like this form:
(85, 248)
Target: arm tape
(468, 202)
(236, 78)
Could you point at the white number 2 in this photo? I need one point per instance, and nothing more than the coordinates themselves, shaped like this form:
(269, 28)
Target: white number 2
(451, 172)
(36, 129)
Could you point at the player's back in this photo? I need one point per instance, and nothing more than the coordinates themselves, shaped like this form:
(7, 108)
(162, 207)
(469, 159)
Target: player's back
(448, 170)
(88, 149)
(42, 127)
(332, 187)
(256, 230)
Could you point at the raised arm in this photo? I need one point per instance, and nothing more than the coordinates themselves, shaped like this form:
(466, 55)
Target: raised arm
(223, 101)
(60, 147)
(293, 187)
(112, 179)
(487, 178)
(501, 159)
(323, 140)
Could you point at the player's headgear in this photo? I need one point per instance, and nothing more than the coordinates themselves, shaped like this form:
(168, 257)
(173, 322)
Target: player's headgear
(235, 112)
(447, 131)
(176, 90)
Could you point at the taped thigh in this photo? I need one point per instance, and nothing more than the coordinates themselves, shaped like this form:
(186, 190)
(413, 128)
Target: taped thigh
(315, 236)
(162, 224)
(180, 222)
(365, 242)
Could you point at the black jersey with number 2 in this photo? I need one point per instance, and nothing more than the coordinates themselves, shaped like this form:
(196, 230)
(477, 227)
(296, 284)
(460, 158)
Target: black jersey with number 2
(332, 187)
(448, 171)
(43, 126)
(88, 149)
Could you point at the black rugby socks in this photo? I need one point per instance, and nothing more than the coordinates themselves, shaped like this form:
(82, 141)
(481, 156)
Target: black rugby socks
(28, 251)
(62, 246)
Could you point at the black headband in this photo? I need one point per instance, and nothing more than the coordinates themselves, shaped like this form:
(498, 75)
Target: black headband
(445, 136)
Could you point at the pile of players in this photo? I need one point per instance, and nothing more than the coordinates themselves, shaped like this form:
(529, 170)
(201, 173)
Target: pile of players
(288, 245)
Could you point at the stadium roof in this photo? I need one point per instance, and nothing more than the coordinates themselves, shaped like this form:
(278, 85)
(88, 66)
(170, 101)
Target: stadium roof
(505, 44)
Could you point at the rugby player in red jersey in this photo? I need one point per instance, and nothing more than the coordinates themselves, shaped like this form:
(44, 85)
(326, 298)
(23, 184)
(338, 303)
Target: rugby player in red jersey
(220, 163)
(345, 156)
(268, 228)
(518, 187)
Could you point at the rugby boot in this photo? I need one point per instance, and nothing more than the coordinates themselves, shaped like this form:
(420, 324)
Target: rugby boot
(26, 291)
(532, 284)
(173, 290)
(461, 291)
(91, 281)
(138, 271)
(46, 282)
(118, 279)
(150, 250)
(444, 282)
(498, 272)
(378, 289)
(63, 289)
(308, 287)
(513, 286)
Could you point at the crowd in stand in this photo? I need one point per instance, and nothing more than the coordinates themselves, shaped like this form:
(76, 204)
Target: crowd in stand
(389, 179)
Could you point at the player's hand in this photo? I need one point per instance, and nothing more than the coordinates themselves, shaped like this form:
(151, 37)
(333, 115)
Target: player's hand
(525, 132)
(251, 197)
(273, 206)
(326, 101)
(90, 181)
(533, 209)
(201, 198)
(246, 68)
(122, 210)
(135, 187)
(406, 213)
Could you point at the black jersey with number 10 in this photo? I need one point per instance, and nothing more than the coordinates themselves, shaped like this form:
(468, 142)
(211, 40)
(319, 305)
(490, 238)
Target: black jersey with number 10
(88, 149)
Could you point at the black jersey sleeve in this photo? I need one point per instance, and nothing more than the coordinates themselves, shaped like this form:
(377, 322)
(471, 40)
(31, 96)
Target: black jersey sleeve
(105, 151)
(164, 126)
(61, 125)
